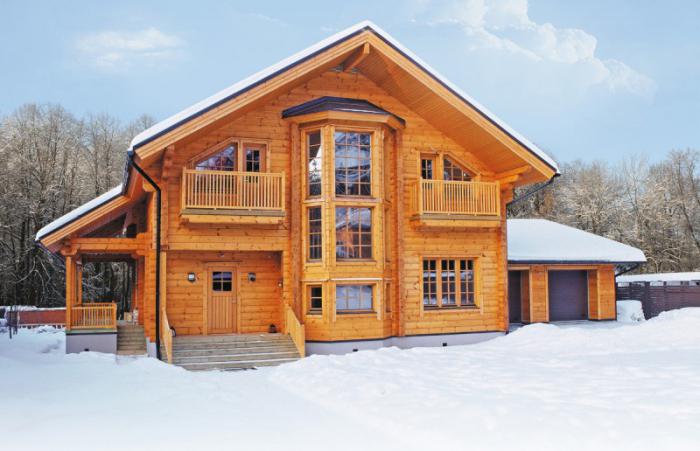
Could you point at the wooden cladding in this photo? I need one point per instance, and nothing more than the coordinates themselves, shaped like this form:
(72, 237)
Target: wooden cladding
(457, 198)
(232, 190)
(102, 315)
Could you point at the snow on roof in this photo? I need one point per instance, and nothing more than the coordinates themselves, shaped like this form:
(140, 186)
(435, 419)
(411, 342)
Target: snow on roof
(539, 240)
(661, 277)
(247, 83)
(78, 212)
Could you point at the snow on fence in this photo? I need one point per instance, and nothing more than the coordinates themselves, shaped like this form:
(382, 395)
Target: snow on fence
(659, 294)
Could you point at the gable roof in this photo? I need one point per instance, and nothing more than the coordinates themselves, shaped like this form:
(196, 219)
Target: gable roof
(248, 83)
(79, 212)
(542, 241)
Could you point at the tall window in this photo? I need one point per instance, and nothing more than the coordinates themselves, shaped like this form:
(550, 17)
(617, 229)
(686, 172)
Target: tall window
(314, 163)
(315, 234)
(224, 160)
(426, 168)
(353, 233)
(353, 298)
(453, 171)
(448, 283)
(315, 299)
(353, 164)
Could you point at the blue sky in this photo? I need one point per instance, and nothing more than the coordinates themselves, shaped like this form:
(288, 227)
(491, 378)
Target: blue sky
(590, 80)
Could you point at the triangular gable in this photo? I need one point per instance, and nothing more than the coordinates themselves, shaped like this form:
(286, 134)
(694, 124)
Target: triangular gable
(217, 102)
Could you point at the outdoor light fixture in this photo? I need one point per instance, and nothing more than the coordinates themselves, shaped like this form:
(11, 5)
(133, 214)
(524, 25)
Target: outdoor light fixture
(251, 277)
(191, 277)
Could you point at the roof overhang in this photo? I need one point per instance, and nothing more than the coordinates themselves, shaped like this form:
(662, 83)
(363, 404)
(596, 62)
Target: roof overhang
(389, 65)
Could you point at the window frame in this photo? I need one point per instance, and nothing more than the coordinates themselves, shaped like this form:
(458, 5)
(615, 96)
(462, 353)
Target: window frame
(373, 150)
(438, 169)
(305, 152)
(373, 299)
(371, 233)
(457, 280)
(240, 161)
(307, 233)
(310, 310)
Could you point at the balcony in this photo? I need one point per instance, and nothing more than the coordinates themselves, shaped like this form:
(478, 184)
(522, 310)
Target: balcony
(445, 203)
(232, 197)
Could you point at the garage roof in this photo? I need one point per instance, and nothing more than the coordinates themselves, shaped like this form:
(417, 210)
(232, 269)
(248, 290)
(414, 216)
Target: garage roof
(542, 241)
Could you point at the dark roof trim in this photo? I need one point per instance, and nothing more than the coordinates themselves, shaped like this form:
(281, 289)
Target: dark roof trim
(343, 104)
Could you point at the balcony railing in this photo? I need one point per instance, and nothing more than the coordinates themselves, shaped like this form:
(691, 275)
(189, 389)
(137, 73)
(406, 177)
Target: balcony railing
(444, 197)
(95, 315)
(229, 190)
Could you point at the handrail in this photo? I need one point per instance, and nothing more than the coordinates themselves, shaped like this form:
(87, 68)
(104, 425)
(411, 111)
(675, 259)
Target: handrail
(458, 198)
(98, 315)
(295, 330)
(166, 336)
(232, 190)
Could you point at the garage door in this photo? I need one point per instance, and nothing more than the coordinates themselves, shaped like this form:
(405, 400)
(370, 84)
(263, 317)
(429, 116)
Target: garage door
(568, 295)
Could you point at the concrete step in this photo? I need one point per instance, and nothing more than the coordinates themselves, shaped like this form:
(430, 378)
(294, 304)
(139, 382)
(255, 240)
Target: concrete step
(180, 360)
(233, 366)
(233, 350)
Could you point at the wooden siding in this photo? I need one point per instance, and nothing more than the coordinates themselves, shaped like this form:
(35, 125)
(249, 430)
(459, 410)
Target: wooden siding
(258, 302)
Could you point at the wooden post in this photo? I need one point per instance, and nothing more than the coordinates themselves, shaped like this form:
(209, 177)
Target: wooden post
(70, 288)
(399, 234)
(79, 281)
(295, 213)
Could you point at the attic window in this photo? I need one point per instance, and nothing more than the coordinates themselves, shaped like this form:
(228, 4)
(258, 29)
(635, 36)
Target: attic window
(224, 160)
(452, 171)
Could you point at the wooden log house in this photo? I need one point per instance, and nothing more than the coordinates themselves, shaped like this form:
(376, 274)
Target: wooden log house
(348, 196)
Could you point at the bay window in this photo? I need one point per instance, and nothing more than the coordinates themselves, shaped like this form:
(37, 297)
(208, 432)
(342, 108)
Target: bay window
(353, 233)
(353, 298)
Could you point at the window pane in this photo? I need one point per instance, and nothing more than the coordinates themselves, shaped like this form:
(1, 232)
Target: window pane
(224, 160)
(353, 233)
(426, 168)
(252, 160)
(315, 234)
(429, 282)
(353, 297)
(466, 282)
(353, 164)
(447, 273)
(316, 298)
(222, 281)
(452, 171)
(314, 155)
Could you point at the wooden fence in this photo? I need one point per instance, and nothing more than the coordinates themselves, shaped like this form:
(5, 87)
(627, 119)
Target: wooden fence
(232, 190)
(457, 198)
(97, 315)
(657, 297)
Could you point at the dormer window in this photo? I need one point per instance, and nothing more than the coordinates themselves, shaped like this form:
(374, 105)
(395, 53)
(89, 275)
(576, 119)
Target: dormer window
(454, 172)
(451, 170)
(228, 156)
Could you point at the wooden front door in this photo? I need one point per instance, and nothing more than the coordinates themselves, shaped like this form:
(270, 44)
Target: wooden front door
(221, 300)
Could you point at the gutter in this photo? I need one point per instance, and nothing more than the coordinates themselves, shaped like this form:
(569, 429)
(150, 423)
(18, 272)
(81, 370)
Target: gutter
(534, 190)
(158, 221)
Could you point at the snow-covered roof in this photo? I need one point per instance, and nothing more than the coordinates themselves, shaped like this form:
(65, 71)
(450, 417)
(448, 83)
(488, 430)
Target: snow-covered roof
(78, 212)
(661, 277)
(542, 241)
(287, 63)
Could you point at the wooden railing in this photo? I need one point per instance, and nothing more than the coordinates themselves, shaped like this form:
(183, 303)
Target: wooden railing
(232, 190)
(457, 198)
(295, 330)
(166, 336)
(98, 315)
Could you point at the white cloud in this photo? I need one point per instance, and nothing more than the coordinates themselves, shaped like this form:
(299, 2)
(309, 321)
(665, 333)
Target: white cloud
(505, 26)
(124, 49)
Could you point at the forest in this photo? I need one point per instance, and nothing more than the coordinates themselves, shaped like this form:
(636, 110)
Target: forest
(52, 161)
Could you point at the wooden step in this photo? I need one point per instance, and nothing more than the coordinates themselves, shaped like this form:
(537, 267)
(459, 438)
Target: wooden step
(181, 360)
(232, 366)
(232, 350)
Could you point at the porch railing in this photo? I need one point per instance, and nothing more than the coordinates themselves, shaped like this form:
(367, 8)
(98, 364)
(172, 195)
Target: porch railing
(232, 190)
(295, 330)
(457, 198)
(97, 315)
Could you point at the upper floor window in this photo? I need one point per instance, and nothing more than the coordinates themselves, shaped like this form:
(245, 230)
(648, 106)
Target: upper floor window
(224, 160)
(353, 233)
(314, 163)
(315, 234)
(252, 158)
(353, 163)
(453, 171)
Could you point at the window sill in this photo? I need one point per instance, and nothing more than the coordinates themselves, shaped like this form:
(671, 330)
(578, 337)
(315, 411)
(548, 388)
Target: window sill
(356, 312)
(450, 308)
(355, 260)
(314, 313)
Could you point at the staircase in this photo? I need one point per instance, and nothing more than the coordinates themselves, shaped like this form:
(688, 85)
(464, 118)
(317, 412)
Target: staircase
(233, 352)
(131, 339)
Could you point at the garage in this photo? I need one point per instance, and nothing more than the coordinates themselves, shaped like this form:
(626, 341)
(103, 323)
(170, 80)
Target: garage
(568, 295)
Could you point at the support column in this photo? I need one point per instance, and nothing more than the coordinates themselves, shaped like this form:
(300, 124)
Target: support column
(79, 281)
(70, 288)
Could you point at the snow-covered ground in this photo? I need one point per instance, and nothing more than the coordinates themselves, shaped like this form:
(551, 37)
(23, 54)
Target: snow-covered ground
(593, 386)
